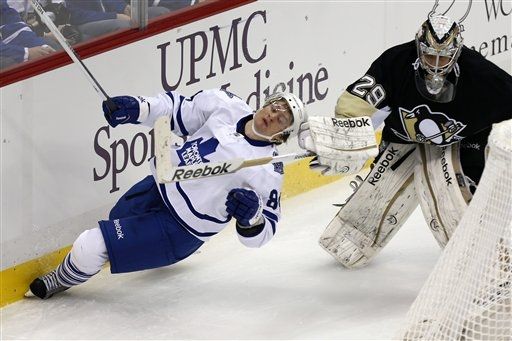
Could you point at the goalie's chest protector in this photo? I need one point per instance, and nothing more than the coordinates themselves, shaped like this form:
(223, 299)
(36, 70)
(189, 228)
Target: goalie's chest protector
(199, 205)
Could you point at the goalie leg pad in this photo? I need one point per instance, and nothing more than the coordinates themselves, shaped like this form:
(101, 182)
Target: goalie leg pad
(376, 211)
(441, 188)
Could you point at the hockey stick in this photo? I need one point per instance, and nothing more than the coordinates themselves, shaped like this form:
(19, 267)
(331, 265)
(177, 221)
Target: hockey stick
(166, 173)
(74, 56)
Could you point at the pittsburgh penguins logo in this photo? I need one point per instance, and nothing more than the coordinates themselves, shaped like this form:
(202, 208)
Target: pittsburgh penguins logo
(424, 126)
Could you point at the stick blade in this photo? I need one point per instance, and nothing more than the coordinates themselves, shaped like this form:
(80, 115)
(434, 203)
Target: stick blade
(162, 131)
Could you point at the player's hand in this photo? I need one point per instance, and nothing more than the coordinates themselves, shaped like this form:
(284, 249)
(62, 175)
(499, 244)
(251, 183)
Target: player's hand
(129, 110)
(245, 206)
(124, 17)
(39, 52)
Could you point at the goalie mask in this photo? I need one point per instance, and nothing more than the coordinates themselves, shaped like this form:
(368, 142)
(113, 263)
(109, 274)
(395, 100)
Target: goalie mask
(294, 105)
(439, 44)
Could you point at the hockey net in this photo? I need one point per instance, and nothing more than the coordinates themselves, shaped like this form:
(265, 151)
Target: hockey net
(468, 294)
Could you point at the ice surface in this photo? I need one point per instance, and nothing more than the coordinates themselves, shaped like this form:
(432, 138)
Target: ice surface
(289, 289)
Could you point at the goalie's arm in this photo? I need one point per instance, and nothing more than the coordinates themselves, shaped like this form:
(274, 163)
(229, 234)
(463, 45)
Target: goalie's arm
(364, 100)
(369, 95)
(349, 105)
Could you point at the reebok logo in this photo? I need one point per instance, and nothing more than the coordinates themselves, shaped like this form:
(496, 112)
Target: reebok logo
(351, 122)
(444, 165)
(382, 166)
(205, 170)
(469, 145)
(119, 230)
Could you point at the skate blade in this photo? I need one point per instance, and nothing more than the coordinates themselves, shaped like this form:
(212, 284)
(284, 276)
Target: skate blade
(29, 294)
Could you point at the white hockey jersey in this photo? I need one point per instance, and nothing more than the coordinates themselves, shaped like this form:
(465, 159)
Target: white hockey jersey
(213, 123)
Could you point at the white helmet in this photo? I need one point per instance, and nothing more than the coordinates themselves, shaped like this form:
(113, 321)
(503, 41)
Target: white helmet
(439, 37)
(296, 107)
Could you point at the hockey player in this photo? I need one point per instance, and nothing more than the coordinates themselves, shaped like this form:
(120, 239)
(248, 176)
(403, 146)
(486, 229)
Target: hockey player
(438, 100)
(154, 225)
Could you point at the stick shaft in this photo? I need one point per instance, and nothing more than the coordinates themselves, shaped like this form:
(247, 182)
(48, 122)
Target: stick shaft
(209, 169)
(275, 159)
(69, 50)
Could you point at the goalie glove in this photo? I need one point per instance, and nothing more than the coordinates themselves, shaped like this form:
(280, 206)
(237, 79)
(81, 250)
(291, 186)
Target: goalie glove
(342, 145)
(130, 109)
(245, 206)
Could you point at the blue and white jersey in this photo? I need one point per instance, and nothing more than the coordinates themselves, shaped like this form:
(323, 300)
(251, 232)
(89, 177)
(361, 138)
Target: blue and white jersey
(213, 123)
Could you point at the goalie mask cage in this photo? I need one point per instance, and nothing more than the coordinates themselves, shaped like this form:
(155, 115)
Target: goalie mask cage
(468, 294)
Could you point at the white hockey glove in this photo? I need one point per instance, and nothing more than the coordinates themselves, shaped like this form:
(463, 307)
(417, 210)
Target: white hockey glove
(342, 145)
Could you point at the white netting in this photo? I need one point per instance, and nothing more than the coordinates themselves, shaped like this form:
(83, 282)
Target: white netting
(468, 294)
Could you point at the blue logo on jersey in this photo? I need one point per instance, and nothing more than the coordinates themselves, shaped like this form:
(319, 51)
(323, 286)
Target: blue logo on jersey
(195, 151)
(278, 167)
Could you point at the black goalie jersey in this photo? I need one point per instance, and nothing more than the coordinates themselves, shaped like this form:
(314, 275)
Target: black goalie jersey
(483, 97)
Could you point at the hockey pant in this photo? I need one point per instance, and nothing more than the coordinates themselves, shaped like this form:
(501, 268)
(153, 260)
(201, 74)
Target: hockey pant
(140, 234)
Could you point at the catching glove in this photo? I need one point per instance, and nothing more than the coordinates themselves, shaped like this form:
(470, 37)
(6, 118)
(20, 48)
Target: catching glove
(341, 145)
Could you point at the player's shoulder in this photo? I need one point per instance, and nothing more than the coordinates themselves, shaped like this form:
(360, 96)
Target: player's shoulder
(471, 57)
(396, 60)
(480, 75)
(222, 102)
(481, 67)
(225, 96)
(401, 52)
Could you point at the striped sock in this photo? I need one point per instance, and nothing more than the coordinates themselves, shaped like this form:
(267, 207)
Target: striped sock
(69, 275)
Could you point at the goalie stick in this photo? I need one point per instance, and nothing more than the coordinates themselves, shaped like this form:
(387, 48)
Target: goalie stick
(73, 55)
(167, 173)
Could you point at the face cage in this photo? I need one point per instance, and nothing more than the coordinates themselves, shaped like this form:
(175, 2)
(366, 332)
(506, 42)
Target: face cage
(436, 69)
(281, 136)
(287, 131)
(431, 81)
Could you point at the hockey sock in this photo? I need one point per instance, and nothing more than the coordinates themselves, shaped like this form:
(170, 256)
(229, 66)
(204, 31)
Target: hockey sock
(69, 275)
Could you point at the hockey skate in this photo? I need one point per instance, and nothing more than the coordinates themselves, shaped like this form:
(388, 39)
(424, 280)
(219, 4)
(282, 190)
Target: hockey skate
(46, 286)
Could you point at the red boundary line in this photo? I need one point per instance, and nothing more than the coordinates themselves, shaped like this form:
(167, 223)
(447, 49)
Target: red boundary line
(118, 39)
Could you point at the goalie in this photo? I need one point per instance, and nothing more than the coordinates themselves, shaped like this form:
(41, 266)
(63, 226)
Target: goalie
(438, 100)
